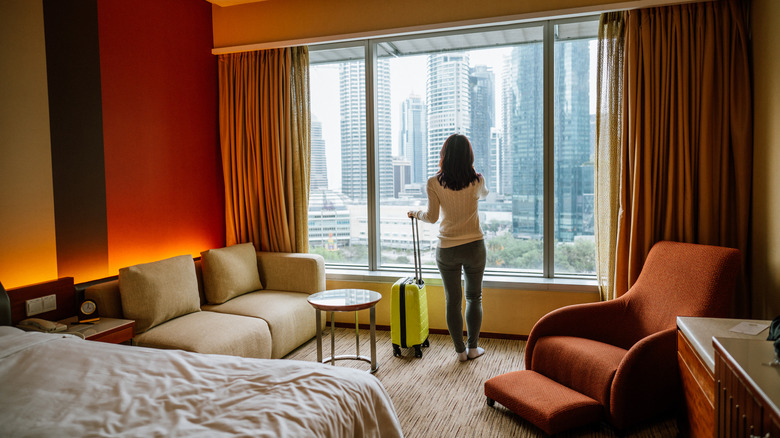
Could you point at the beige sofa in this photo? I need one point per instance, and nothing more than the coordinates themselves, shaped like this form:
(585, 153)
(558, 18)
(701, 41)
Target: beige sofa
(233, 301)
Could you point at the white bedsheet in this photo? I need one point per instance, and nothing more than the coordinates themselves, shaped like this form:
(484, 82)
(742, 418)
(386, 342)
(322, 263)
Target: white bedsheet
(59, 385)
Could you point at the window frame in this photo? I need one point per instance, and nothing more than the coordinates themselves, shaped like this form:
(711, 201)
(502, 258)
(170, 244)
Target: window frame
(369, 47)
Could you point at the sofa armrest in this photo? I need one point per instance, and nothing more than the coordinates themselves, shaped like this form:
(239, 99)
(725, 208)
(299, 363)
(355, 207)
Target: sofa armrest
(106, 296)
(292, 272)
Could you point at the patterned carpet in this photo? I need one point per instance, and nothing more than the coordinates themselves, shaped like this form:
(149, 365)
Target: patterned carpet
(437, 396)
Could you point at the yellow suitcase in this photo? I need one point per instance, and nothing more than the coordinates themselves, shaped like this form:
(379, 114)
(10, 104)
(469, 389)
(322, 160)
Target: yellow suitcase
(409, 307)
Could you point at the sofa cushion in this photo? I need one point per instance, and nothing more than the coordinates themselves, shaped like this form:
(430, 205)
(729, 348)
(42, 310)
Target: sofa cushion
(152, 293)
(229, 272)
(212, 333)
(289, 315)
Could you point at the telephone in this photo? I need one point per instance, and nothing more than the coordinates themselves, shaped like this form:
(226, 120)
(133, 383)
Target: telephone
(42, 325)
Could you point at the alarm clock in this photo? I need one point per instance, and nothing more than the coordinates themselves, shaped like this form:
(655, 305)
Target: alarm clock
(88, 311)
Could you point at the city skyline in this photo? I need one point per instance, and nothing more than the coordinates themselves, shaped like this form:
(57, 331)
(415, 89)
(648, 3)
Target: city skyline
(498, 106)
(409, 80)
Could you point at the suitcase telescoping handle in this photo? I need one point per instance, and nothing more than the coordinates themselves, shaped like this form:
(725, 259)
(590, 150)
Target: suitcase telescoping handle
(416, 245)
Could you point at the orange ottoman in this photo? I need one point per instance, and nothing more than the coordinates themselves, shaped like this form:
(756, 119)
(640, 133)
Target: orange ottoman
(547, 404)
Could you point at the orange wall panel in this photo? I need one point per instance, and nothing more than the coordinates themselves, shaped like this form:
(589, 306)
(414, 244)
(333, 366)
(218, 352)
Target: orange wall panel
(164, 187)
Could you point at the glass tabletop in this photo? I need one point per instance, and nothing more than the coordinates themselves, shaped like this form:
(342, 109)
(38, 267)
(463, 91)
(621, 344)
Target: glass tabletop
(344, 299)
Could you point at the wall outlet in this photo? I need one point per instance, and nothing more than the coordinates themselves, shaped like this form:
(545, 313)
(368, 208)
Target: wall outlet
(34, 306)
(49, 303)
(41, 304)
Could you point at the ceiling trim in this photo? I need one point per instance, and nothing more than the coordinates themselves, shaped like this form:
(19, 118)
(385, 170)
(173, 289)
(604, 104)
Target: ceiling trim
(225, 3)
(489, 21)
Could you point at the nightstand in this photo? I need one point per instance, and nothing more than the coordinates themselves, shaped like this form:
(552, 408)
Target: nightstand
(111, 330)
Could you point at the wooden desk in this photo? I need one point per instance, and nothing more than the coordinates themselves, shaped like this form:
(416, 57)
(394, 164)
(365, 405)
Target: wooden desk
(747, 393)
(696, 358)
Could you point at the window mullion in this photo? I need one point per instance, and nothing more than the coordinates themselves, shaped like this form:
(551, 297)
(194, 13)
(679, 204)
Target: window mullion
(549, 148)
(372, 169)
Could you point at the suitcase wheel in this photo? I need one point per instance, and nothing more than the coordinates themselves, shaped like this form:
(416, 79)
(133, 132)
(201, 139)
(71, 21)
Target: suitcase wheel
(426, 343)
(417, 351)
(396, 350)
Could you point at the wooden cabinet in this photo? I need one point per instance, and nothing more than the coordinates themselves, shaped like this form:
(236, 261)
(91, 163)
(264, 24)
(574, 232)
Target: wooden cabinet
(747, 389)
(699, 389)
(696, 359)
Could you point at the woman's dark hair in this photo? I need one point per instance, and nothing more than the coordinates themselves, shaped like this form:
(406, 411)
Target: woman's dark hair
(456, 167)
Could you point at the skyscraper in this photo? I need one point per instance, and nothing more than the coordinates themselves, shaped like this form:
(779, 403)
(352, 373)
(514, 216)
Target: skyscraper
(482, 85)
(319, 166)
(352, 104)
(384, 136)
(573, 165)
(412, 141)
(495, 171)
(523, 139)
(402, 174)
(447, 101)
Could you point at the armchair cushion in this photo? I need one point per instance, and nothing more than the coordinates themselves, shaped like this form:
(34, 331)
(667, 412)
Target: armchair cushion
(591, 320)
(229, 272)
(590, 365)
(153, 293)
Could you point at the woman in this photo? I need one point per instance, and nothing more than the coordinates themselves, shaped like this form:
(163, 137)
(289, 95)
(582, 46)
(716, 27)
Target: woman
(455, 189)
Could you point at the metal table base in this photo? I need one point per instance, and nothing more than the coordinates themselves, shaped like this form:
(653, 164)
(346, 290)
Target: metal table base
(333, 358)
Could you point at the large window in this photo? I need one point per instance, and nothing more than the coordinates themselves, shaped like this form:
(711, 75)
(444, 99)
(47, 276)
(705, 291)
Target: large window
(338, 199)
(525, 97)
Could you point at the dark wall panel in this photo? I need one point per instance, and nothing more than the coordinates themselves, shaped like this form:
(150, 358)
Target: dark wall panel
(75, 112)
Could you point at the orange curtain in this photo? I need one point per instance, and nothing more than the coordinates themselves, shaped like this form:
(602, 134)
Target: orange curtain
(264, 135)
(687, 146)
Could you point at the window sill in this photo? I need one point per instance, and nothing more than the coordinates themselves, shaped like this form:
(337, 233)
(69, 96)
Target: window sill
(490, 281)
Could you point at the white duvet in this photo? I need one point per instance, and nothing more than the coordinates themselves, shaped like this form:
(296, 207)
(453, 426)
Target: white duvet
(59, 385)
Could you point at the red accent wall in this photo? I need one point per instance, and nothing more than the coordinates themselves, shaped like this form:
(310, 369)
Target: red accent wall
(164, 188)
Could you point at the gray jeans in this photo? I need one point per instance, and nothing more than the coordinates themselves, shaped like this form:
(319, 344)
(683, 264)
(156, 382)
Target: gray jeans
(470, 258)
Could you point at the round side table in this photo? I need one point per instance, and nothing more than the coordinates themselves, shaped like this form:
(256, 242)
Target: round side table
(345, 300)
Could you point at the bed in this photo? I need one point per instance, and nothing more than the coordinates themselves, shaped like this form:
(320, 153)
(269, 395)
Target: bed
(61, 385)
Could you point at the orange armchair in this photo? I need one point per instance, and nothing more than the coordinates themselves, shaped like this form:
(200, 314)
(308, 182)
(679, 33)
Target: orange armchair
(616, 360)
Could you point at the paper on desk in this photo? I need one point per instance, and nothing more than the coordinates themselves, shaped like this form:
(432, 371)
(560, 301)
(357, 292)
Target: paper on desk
(749, 328)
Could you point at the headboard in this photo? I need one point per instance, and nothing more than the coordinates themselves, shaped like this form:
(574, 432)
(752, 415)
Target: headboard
(63, 288)
(5, 307)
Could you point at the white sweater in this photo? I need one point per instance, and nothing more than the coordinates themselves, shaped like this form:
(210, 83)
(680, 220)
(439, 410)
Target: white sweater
(459, 218)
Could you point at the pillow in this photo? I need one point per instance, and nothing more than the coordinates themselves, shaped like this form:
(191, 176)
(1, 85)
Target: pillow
(229, 272)
(153, 293)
